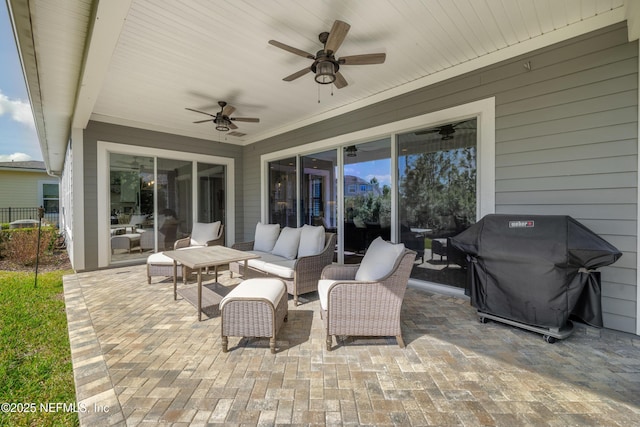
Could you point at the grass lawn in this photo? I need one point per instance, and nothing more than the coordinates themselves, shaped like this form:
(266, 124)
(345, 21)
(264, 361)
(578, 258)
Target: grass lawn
(35, 359)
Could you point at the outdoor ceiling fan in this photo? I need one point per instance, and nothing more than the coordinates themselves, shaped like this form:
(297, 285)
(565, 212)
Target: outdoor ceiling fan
(222, 118)
(325, 65)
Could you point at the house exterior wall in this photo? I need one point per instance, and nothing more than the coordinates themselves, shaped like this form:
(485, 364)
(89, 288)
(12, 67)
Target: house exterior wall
(20, 189)
(566, 143)
(97, 131)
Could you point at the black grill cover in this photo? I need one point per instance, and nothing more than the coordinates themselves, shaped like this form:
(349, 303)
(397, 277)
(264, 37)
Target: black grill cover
(535, 269)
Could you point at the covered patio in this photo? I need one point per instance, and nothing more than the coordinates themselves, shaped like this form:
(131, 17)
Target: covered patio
(140, 357)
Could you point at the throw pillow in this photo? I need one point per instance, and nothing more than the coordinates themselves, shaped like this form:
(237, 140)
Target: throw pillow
(311, 240)
(287, 244)
(379, 260)
(203, 232)
(266, 236)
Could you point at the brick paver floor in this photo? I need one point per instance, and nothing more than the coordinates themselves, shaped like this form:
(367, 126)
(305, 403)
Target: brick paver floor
(141, 358)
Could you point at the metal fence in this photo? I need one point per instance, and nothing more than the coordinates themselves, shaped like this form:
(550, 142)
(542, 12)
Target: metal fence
(8, 215)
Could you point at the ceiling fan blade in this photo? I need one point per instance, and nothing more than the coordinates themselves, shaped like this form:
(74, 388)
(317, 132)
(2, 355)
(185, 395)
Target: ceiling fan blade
(340, 81)
(297, 74)
(245, 119)
(232, 126)
(337, 35)
(291, 49)
(202, 121)
(201, 112)
(228, 110)
(366, 59)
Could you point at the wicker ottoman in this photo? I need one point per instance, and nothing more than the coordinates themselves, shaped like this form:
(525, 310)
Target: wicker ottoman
(255, 308)
(159, 264)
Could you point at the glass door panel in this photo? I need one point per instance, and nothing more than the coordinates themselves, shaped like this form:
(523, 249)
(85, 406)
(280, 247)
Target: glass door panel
(211, 194)
(367, 196)
(318, 189)
(174, 184)
(282, 192)
(437, 197)
(131, 204)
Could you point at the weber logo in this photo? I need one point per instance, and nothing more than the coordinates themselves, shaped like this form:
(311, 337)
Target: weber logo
(521, 224)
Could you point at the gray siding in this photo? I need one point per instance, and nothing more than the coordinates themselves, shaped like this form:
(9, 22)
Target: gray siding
(566, 143)
(97, 131)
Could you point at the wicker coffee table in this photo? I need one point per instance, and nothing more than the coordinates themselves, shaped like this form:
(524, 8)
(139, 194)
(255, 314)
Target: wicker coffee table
(205, 257)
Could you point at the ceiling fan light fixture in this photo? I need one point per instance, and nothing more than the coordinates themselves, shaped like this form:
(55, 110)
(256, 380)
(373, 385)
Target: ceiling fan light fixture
(325, 72)
(221, 126)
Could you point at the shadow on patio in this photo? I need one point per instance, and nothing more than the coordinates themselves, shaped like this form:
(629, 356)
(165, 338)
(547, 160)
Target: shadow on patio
(139, 357)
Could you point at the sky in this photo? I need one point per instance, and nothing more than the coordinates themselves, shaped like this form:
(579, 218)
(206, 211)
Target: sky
(18, 138)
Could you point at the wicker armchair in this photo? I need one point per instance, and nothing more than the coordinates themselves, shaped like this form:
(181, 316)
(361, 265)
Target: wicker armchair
(356, 308)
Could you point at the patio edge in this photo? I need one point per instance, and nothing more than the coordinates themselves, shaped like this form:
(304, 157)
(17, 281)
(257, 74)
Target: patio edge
(97, 400)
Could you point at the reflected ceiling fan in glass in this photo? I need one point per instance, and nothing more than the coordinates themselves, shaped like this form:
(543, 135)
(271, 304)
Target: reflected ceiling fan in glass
(351, 151)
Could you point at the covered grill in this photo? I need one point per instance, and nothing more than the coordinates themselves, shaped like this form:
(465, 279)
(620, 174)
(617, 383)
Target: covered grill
(535, 271)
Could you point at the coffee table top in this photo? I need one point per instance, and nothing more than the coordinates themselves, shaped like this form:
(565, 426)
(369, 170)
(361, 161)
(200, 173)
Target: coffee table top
(208, 256)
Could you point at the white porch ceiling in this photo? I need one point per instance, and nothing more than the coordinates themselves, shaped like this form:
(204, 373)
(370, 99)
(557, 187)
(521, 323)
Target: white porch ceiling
(168, 55)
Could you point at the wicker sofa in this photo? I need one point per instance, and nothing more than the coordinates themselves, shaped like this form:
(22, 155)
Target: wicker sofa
(300, 271)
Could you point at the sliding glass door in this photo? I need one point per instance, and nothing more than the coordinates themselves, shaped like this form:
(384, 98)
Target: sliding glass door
(283, 202)
(131, 204)
(437, 197)
(152, 202)
(174, 204)
(211, 192)
(367, 196)
(318, 189)
(429, 197)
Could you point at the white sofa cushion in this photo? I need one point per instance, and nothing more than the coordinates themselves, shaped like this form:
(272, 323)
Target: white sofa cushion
(266, 236)
(311, 240)
(203, 232)
(379, 260)
(265, 257)
(287, 243)
(273, 264)
(284, 269)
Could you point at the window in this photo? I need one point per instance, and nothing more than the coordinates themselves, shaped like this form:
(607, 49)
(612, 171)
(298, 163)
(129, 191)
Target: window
(50, 197)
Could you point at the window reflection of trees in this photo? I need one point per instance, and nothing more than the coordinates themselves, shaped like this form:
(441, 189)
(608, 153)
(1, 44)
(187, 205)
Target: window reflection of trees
(438, 190)
(437, 197)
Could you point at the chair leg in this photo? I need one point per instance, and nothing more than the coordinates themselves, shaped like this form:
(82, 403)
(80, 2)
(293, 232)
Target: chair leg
(272, 345)
(400, 341)
(329, 342)
(225, 343)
